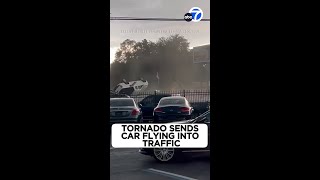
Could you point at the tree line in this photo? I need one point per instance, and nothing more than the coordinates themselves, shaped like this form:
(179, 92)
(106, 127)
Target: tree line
(169, 57)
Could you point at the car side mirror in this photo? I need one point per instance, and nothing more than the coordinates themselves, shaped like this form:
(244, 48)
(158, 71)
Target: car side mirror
(140, 105)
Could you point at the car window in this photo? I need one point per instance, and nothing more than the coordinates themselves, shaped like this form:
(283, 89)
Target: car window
(170, 101)
(138, 87)
(121, 102)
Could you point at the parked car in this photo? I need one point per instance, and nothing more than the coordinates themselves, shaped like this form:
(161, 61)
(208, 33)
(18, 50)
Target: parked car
(148, 104)
(169, 154)
(124, 110)
(172, 109)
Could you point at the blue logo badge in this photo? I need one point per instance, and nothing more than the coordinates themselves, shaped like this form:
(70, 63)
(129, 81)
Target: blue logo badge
(196, 13)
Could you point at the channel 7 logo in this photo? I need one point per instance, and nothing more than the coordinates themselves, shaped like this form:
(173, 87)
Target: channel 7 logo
(195, 14)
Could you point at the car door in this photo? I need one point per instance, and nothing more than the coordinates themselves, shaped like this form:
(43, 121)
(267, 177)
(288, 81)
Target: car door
(147, 107)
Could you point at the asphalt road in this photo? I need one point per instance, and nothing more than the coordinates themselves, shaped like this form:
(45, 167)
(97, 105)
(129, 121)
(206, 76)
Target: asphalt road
(130, 164)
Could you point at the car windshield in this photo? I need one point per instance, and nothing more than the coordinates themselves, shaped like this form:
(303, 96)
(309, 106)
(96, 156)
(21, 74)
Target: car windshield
(172, 101)
(121, 102)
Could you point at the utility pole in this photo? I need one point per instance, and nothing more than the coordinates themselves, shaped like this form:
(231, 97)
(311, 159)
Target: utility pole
(207, 77)
(158, 80)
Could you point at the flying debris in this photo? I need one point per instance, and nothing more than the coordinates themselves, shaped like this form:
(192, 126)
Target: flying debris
(128, 88)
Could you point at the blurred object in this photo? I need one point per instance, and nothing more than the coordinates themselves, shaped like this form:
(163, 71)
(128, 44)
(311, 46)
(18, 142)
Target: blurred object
(131, 87)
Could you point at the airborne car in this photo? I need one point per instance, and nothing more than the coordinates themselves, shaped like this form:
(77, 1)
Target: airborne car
(130, 87)
(169, 154)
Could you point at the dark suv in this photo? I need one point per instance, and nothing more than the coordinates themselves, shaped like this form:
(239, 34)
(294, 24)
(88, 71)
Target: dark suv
(168, 154)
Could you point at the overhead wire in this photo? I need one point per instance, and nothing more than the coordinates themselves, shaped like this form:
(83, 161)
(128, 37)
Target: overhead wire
(148, 19)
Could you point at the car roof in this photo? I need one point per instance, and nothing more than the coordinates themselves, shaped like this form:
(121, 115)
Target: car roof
(174, 97)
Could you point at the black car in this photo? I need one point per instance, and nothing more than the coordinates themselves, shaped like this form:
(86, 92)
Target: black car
(169, 154)
(172, 109)
(148, 104)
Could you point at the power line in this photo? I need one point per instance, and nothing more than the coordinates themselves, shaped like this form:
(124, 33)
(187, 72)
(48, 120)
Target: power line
(147, 19)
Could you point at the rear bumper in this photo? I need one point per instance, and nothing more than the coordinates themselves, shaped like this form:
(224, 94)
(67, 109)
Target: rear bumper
(171, 117)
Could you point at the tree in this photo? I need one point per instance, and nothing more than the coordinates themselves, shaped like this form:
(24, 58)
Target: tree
(126, 51)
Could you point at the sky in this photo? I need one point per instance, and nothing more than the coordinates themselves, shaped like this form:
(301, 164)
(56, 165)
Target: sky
(197, 33)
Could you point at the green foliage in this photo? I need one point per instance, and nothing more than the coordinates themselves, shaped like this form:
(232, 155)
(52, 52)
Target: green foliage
(170, 57)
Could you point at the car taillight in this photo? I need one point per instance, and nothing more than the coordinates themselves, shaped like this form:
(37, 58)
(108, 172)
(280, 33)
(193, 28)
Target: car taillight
(135, 112)
(158, 110)
(185, 109)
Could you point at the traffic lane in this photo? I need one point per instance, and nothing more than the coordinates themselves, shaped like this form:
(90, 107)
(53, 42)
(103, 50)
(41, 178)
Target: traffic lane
(195, 166)
(136, 175)
(128, 164)
(131, 163)
(125, 163)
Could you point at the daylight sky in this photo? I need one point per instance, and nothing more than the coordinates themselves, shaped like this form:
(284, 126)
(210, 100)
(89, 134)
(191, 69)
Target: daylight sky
(197, 33)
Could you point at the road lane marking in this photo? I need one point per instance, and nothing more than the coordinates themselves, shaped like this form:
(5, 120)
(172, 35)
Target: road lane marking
(168, 174)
